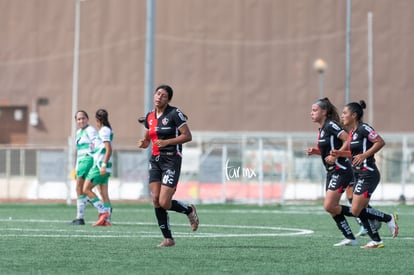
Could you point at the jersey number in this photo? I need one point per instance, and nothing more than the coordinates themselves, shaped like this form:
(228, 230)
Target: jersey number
(167, 180)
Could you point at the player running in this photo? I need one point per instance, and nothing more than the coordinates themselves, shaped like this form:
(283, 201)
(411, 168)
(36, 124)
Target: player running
(363, 143)
(338, 169)
(167, 129)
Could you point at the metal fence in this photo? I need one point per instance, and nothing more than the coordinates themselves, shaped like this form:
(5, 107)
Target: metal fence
(217, 167)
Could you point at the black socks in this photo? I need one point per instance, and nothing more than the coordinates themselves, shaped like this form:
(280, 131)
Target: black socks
(343, 226)
(163, 222)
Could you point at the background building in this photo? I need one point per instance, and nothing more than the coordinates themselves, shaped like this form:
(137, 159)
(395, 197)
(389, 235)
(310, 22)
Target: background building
(235, 65)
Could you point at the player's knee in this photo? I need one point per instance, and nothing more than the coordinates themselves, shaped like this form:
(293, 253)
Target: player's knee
(87, 188)
(329, 208)
(355, 212)
(156, 201)
(166, 204)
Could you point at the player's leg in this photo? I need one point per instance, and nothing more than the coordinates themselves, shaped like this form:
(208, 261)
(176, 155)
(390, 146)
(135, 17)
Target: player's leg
(349, 195)
(92, 179)
(162, 215)
(80, 203)
(103, 190)
(336, 184)
(172, 168)
(331, 205)
(83, 167)
(359, 206)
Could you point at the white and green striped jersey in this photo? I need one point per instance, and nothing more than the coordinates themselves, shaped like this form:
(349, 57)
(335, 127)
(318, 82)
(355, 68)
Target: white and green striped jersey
(85, 141)
(104, 134)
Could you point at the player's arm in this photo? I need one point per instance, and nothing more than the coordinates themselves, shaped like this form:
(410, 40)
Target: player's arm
(378, 143)
(312, 151)
(144, 143)
(343, 151)
(108, 153)
(343, 154)
(183, 137)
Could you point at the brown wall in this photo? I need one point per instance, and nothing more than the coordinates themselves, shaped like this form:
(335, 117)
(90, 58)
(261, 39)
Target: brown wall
(235, 65)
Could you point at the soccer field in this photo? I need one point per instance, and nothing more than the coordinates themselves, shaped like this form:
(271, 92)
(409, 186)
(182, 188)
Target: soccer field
(232, 239)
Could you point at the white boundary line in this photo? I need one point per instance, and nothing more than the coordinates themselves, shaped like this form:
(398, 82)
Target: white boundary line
(267, 231)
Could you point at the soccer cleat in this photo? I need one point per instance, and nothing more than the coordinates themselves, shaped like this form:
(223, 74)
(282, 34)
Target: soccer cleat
(101, 220)
(77, 222)
(166, 243)
(393, 226)
(374, 244)
(362, 231)
(105, 223)
(193, 218)
(347, 242)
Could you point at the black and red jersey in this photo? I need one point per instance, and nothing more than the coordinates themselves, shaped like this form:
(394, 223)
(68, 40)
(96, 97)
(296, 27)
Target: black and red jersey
(328, 139)
(360, 141)
(165, 127)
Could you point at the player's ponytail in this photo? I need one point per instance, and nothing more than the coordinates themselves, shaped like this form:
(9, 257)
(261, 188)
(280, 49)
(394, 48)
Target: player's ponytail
(102, 116)
(331, 111)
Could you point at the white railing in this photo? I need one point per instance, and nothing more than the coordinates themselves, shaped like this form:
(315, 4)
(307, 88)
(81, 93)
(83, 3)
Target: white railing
(217, 167)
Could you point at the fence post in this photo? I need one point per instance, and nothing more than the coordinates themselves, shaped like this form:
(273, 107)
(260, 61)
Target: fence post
(223, 175)
(404, 168)
(261, 172)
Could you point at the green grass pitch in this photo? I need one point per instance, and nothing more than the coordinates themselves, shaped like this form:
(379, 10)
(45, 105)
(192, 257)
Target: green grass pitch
(232, 239)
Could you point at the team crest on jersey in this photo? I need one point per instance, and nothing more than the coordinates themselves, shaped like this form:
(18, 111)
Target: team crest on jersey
(355, 136)
(322, 133)
(164, 121)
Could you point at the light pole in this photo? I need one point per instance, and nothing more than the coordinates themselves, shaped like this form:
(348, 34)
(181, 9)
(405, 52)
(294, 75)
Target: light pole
(75, 87)
(149, 64)
(320, 66)
(75, 75)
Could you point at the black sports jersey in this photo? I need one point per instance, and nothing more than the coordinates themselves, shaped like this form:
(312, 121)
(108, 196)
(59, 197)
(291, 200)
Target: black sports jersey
(165, 127)
(328, 139)
(360, 141)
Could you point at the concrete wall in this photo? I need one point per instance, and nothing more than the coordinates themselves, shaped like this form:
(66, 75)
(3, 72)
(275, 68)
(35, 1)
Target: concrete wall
(235, 65)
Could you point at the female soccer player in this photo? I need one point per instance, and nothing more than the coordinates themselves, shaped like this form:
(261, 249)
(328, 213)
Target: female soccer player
(338, 169)
(363, 143)
(85, 138)
(167, 129)
(101, 171)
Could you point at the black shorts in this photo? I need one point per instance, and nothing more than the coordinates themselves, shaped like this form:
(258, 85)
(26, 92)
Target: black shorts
(366, 182)
(352, 183)
(338, 180)
(165, 169)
